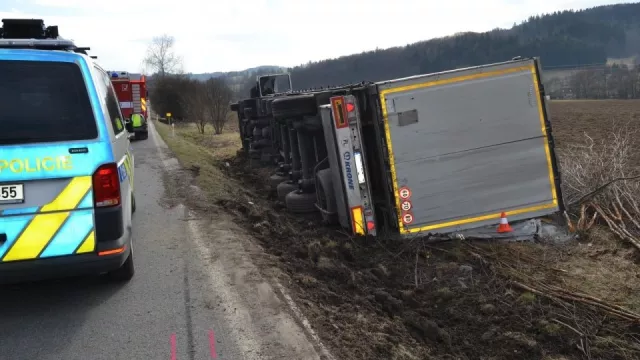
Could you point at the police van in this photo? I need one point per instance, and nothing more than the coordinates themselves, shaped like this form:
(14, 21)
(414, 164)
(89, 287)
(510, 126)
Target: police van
(66, 166)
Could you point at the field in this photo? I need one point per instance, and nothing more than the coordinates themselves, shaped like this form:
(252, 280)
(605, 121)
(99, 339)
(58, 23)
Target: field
(377, 299)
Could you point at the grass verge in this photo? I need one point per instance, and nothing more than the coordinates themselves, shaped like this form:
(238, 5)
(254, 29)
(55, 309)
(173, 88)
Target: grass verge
(201, 154)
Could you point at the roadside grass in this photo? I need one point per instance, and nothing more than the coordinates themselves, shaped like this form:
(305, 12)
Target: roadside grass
(202, 153)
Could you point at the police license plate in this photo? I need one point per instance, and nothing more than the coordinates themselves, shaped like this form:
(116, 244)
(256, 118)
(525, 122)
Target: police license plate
(11, 193)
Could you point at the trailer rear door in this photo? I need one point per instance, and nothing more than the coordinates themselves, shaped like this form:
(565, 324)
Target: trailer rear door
(466, 145)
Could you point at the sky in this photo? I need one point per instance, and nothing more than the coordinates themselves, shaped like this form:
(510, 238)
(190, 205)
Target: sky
(229, 35)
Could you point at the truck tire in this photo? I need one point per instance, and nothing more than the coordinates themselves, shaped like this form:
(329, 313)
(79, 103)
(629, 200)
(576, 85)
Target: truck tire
(250, 109)
(326, 196)
(254, 154)
(234, 107)
(261, 144)
(141, 135)
(284, 188)
(293, 106)
(275, 180)
(299, 202)
(266, 158)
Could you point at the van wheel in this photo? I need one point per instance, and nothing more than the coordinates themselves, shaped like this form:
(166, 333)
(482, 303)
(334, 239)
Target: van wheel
(124, 272)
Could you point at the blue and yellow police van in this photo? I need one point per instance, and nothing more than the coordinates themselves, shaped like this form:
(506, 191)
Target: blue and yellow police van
(66, 167)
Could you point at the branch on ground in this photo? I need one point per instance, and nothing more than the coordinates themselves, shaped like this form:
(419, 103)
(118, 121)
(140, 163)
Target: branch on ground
(601, 181)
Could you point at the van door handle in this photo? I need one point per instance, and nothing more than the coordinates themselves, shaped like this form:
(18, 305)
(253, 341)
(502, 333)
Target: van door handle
(3, 238)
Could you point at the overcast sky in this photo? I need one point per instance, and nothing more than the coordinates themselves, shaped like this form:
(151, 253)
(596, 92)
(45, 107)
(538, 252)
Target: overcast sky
(226, 35)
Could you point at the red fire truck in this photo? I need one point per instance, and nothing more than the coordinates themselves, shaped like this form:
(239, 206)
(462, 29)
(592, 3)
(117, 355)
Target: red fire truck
(132, 93)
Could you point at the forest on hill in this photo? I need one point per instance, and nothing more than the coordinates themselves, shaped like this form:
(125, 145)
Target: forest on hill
(567, 38)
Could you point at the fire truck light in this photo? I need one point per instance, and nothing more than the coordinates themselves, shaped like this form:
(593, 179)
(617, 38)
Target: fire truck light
(114, 75)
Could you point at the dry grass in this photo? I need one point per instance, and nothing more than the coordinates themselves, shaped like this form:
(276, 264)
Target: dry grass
(202, 154)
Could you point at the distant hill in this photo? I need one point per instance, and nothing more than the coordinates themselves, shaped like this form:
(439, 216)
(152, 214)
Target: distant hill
(590, 36)
(564, 40)
(238, 80)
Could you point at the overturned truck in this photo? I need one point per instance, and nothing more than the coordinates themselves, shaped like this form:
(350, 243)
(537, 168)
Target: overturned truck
(442, 153)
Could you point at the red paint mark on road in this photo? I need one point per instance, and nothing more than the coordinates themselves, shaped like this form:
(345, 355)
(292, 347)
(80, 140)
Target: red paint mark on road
(172, 340)
(212, 344)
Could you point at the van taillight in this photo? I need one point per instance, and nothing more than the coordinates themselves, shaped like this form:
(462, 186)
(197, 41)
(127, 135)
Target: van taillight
(106, 186)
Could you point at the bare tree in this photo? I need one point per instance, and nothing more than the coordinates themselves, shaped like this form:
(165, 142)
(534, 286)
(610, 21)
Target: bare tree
(218, 96)
(161, 57)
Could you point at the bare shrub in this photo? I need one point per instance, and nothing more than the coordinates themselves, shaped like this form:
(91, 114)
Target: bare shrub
(218, 96)
(195, 103)
(601, 179)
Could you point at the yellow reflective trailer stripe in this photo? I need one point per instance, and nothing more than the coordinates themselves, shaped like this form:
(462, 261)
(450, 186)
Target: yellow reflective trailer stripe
(44, 226)
(88, 245)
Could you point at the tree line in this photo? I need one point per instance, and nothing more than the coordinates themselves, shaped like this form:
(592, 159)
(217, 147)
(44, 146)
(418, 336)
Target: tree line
(617, 81)
(188, 100)
(562, 38)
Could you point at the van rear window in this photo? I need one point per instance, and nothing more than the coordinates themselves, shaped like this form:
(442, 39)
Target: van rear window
(43, 102)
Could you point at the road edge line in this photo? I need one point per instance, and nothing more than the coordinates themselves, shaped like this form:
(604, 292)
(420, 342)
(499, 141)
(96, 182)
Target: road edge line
(312, 336)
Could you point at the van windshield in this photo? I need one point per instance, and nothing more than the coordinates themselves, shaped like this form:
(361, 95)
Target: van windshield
(43, 102)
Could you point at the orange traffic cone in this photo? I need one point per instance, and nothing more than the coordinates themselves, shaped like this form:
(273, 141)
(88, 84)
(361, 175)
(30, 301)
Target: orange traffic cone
(504, 224)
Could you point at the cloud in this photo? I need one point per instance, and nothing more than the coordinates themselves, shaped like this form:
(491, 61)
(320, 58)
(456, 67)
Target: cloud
(226, 35)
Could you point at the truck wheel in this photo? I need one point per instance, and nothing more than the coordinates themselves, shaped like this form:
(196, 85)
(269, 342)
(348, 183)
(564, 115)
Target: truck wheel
(299, 202)
(250, 108)
(294, 106)
(265, 158)
(275, 180)
(326, 196)
(284, 188)
(261, 144)
(254, 154)
(142, 135)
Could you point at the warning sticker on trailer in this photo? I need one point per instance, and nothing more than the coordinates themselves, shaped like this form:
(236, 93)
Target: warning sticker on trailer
(404, 193)
(407, 218)
(405, 206)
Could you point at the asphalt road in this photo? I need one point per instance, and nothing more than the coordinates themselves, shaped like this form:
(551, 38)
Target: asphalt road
(163, 313)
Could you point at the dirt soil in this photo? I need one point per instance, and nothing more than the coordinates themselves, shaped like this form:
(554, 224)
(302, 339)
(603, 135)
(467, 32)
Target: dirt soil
(572, 119)
(378, 299)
